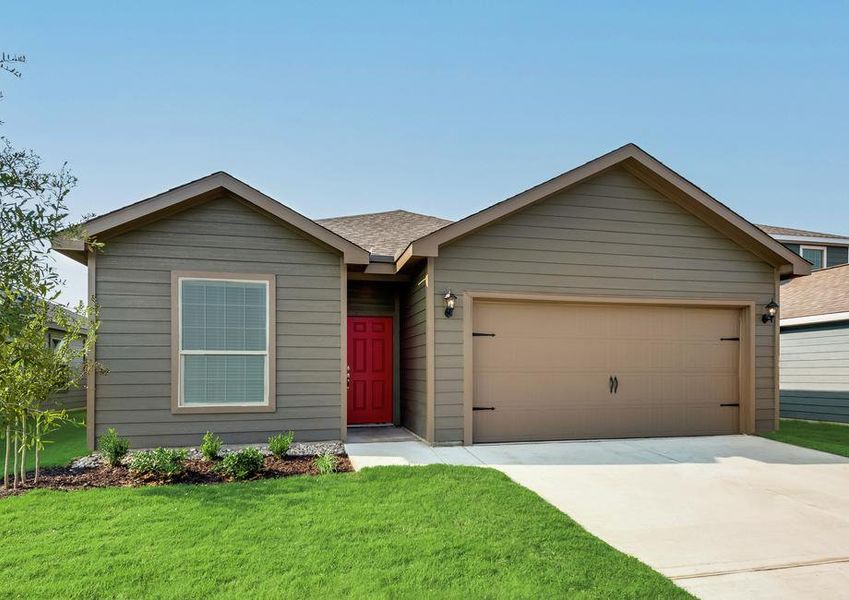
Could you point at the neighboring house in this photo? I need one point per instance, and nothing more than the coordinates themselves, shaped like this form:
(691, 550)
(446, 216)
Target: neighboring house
(820, 249)
(615, 300)
(72, 398)
(815, 346)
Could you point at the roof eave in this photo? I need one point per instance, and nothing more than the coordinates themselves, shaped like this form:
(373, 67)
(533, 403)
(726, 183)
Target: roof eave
(72, 248)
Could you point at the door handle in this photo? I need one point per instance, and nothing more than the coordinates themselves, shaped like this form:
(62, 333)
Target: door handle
(616, 384)
(348, 378)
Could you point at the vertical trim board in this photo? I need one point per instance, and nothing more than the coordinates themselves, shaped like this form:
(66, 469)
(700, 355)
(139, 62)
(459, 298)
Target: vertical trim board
(91, 381)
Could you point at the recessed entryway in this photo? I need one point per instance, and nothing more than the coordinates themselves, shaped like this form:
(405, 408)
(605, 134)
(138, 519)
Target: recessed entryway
(369, 370)
(363, 434)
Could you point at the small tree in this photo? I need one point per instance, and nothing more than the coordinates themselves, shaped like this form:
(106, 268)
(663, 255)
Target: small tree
(32, 212)
(31, 372)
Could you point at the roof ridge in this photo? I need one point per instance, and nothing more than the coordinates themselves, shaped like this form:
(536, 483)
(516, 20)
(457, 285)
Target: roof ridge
(384, 212)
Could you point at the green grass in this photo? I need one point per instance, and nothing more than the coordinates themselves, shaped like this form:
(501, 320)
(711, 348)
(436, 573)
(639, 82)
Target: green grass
(828, 437)
(63, 445)
(399, 532)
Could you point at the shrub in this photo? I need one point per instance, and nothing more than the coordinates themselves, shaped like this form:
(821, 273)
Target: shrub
(279, 444)
(161, 462)
(113, 447)
(210, 446)
(325, 463)
(242, 464)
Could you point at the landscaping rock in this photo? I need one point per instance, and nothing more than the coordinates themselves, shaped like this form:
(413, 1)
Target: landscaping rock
(90, 461)
(315, 448)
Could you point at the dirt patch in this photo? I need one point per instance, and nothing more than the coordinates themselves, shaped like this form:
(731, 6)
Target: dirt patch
(196, 472)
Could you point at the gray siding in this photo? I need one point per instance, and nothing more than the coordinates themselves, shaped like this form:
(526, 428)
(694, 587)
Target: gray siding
(835, 255)
(69, 399)
(815, 372)
(134, 293)
(413, 355)
(371, 299)
(72, 398)
(609, 236)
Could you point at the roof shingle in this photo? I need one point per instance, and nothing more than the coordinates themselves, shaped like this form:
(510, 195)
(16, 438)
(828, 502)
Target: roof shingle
(822, 292)
(384, 233)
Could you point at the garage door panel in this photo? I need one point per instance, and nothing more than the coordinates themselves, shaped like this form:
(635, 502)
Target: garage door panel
(523, 354)
(547, 372)
(508, 391)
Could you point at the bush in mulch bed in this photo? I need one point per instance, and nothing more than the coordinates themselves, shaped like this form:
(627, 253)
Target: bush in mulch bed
(194, 471)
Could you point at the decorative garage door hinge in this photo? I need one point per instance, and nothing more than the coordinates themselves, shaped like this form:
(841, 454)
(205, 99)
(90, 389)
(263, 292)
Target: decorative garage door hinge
(731, 404)
(729, 339)
(481, 334)
(483, 408)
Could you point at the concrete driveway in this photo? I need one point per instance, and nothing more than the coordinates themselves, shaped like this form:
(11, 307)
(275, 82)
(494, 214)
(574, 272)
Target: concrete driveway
(725, 517)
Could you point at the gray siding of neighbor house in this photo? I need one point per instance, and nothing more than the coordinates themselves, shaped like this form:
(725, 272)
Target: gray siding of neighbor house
(815, 372)
(72, 398)
(609, 236)
(69, 399)
(134, 292)
(835, 255)
(413, 355)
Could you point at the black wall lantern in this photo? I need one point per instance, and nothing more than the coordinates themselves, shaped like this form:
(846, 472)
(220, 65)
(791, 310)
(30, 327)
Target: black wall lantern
(771, 311)
(450, 300)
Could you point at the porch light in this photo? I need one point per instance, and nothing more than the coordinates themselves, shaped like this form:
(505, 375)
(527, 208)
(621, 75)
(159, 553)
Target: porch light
(450, 300)
(771, 311)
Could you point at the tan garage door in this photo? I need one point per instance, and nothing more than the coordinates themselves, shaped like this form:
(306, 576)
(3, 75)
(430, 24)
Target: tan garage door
(574, 371)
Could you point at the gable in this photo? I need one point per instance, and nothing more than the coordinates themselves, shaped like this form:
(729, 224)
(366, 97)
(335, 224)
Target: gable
(610, 232)
(647, 169)
(221, 229)
(198, 192)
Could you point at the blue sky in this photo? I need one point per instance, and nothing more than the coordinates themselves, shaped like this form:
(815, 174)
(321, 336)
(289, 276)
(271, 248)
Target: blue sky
(436, 107)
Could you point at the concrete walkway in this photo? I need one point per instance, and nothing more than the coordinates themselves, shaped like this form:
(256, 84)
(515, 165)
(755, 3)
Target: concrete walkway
(725, 517)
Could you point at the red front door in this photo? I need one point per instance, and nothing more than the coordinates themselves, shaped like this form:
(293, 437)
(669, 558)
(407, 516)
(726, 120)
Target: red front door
(369, 370)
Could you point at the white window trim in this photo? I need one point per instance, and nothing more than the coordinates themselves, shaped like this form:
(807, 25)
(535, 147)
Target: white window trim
(178, 354)
(824, 253)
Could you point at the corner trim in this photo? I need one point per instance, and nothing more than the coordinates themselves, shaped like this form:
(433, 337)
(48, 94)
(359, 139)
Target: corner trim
(776, 356)
(430, 349)
(91, 379)
(343, 352)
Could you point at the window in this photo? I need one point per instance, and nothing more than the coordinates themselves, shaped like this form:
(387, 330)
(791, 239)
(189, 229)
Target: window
(814, 255)
(225, 339)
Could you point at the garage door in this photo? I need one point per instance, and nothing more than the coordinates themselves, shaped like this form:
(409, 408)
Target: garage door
(548, 371)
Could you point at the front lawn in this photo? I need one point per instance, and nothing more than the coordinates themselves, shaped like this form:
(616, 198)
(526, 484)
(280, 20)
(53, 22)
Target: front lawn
(828, 437)
(63, 445)
(433, 531)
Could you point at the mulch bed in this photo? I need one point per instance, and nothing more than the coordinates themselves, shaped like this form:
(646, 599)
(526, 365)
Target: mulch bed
(196, 472)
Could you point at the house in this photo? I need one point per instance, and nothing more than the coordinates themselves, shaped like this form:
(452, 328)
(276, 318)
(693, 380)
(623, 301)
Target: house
(615, 300)
(815, 346)
(75, 397)
(820, 249)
